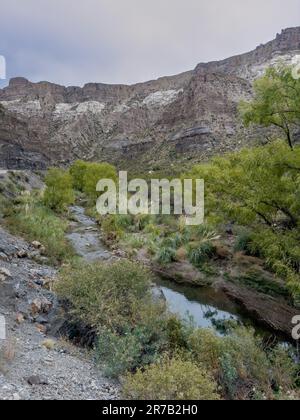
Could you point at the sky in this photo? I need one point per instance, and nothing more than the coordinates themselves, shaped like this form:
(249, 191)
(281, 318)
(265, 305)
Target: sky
(73, 42)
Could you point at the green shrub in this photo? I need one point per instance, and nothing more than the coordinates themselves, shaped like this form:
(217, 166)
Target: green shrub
(239, 362)
(59, 190)
(166, 255)
(205, 348)
(202, 253)
(134, 241)
(134, 348)
(105, 294)
(170, 380)
(243, 243)
(93, 174)
(77, 171)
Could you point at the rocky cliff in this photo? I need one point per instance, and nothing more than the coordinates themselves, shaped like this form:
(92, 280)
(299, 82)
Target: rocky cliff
(182, 118)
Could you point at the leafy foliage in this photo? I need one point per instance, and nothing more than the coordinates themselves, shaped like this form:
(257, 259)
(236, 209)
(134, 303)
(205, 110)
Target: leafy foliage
(260, 188)
(171, 379)
(77, 171)
(59, 190)
(276, 102)
(93, 173)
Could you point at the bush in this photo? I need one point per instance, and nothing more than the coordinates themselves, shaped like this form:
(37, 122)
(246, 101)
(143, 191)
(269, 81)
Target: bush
(135, 347)
(77, 171)
(166, 255)
(244, 243)
(258, 189)
(170, 380)
(59, 193)
(202, 253)
(239, 362)
(205, 347)
(93, 174)
(106, 294)
(115, 300)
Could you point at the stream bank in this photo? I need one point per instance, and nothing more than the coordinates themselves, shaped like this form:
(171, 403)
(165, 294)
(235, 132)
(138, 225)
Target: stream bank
(210, 306)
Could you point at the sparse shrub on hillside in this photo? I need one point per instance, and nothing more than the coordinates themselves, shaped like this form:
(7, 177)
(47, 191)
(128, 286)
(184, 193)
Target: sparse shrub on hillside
(59, 190)
(171, 380)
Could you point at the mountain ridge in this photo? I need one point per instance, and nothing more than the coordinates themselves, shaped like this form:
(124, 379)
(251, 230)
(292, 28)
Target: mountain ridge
(182, 118)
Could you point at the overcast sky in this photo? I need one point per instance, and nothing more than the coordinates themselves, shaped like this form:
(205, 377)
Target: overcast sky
(73, 42)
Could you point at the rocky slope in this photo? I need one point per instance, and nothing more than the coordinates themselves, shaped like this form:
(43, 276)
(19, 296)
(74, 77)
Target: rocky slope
(34, 366)
(183, 118)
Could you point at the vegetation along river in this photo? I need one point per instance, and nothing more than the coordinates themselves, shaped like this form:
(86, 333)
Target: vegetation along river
(205, 306)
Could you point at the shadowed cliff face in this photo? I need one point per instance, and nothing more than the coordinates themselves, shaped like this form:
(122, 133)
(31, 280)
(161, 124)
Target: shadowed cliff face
(183, 118)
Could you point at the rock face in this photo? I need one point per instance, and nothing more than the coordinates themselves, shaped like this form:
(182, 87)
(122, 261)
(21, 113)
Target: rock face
(182, 118)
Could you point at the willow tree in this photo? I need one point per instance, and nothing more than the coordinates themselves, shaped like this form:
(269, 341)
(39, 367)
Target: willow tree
(276, 102)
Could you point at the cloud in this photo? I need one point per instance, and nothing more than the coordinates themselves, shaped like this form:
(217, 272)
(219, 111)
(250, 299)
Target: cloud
(126, 41)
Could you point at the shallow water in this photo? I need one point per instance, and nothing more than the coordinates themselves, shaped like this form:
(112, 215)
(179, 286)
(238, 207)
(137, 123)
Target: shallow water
(207, 308)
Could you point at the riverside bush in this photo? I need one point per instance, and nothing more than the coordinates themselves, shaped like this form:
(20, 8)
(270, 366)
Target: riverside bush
(115, 300)
(105, 294)
(171, 379)
(93, 173)
(59, 190)
(77, 172)
(239, 362)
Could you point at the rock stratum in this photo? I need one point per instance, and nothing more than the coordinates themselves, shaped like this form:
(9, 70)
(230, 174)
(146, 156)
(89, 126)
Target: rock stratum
(183, 118)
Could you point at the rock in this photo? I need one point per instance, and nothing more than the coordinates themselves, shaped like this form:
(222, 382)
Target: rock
(36, 245)
(36, 380)
(42, 320)
(3, 257)
(22, 253)
(42, 305)
(41, 328)
(5, 272)
(20, 318)
(200, 105)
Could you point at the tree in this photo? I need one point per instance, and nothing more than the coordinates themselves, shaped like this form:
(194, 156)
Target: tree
(59, 190)
(93, 174)
(260, 189)
(276, 102)
(77, 171)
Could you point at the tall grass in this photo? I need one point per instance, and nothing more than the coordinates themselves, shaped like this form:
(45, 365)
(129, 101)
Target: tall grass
(36, 222)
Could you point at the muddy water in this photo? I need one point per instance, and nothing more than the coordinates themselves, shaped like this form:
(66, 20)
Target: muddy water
(207, 307)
